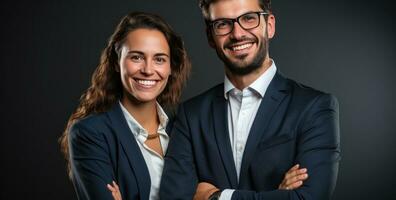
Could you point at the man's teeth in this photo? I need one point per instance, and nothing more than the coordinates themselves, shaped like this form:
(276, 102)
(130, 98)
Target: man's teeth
(241, 47)
(146, 82)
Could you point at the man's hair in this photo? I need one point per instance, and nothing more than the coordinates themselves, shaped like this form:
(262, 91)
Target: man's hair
(204, 5)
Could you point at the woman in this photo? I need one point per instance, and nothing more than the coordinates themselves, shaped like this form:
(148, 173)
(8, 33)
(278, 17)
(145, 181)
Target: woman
(119, 131)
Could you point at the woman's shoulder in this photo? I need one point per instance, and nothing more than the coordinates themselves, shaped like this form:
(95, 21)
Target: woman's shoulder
(92, 123)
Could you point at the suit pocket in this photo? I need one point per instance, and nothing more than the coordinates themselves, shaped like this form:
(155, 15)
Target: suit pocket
(271, 160)
(273, 142)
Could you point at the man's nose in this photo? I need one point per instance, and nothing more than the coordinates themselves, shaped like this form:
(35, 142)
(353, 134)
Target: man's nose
(237, 32)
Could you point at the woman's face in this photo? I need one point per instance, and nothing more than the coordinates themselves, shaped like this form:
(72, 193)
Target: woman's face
(144, 64)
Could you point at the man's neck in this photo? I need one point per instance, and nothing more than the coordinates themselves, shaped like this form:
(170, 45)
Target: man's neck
(243, 81)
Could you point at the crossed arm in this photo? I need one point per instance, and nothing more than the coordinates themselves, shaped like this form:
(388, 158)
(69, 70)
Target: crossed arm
(293, 179)
(317, 150)
(90, 163)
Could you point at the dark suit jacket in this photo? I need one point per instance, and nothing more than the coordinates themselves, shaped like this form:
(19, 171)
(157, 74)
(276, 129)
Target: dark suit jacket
(103, 149)
(294, 124)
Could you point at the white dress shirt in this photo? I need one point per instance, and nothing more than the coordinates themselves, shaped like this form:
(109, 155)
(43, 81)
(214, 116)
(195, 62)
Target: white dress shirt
(154, 161)
(242, 110)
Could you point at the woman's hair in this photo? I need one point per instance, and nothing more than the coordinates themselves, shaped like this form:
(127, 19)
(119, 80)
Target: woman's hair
(106, 87)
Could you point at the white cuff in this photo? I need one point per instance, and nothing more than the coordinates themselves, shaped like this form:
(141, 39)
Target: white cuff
(226, 194)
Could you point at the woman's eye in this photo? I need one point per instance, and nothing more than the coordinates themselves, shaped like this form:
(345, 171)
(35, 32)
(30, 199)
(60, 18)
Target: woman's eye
(160, 60)
(137, 58)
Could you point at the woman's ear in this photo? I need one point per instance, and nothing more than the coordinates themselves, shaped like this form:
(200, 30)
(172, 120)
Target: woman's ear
(117, 67)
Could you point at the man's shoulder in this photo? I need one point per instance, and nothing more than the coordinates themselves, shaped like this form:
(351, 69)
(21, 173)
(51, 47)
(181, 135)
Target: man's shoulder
(302, 89)
(280, 82)
(304, 94)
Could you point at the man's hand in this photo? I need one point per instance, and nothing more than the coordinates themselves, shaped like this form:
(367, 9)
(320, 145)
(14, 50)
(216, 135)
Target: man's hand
(204, 190)
(293, 178)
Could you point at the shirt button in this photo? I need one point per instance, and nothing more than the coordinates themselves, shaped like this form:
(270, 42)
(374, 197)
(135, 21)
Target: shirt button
(239, 148)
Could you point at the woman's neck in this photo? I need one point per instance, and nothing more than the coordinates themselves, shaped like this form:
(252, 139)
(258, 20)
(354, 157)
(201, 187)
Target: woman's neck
(145, 113)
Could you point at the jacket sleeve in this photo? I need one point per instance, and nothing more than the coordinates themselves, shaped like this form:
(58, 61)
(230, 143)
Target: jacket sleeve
(179, 179)
(318, 149)
(90, 163)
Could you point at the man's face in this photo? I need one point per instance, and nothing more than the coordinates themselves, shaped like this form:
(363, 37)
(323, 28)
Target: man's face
(242, 51)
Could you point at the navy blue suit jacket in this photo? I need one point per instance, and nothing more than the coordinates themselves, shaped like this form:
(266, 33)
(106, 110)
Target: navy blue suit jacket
(103, 149)
(294, 124)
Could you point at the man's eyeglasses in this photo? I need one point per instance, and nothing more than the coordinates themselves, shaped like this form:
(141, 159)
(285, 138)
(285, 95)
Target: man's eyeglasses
(246, 21)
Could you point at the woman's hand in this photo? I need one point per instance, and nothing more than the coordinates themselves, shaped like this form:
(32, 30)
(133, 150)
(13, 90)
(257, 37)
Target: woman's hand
(293, 178)
(115, 191)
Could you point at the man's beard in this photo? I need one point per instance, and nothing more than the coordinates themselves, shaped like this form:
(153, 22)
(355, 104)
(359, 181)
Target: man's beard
(242, 67)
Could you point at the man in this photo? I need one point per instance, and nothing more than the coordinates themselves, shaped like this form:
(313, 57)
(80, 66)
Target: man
(238, 139)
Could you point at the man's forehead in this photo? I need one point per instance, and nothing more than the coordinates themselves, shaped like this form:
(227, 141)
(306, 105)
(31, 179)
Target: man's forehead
(232, 8)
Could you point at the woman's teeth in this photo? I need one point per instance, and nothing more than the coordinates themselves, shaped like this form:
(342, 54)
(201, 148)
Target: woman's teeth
(146, 82)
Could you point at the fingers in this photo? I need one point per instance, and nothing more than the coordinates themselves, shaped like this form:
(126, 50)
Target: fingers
(294, 171)
(294, 178)
(116, 186)
(295, 185)
(115, 191)
(111, 188)
(296, 166)
(115, 196)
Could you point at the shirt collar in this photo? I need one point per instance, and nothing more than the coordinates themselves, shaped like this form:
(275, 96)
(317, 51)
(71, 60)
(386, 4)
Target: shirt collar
(136, 128)
(260, 85)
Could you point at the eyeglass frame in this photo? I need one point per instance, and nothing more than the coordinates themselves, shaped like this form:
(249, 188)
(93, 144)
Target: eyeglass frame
(233, 20)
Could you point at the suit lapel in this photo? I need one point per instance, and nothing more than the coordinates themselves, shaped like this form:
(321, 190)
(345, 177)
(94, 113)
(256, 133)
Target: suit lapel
(273, 97)
(222, 136)
(132, 150)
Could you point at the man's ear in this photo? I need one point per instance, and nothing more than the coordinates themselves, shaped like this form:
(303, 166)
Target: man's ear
(271, 26)
(209, 36)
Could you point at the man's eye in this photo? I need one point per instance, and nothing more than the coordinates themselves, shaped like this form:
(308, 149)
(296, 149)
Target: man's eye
(248, 18)
(222, 25)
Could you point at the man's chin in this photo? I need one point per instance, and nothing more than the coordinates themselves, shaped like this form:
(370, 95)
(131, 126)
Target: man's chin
(240, 68)
(236, 57)
(240, 63)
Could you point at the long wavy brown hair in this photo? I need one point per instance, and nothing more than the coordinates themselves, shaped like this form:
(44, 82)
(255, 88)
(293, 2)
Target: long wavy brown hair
(106, 87)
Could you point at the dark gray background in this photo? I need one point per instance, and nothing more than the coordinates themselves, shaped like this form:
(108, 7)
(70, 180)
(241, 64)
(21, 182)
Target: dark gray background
(49, 50)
